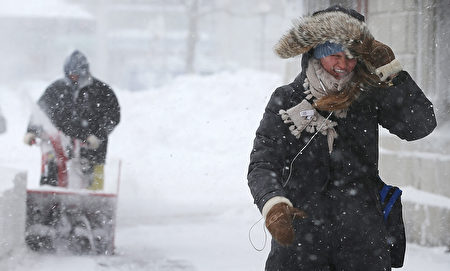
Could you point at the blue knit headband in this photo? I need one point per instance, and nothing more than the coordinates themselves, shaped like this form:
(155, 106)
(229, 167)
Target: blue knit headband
(326, 49)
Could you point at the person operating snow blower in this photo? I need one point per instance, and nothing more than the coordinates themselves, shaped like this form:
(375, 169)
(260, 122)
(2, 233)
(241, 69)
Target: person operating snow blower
(72, 122)
(83, 109)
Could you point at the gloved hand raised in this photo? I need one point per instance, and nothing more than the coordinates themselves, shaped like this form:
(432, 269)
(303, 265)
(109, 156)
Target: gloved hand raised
(379, 58)
(93, 142)
(279, 222)
(29, 138)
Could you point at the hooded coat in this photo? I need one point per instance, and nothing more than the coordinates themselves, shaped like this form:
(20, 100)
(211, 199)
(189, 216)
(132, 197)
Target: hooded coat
(90, 108)
(338, 190)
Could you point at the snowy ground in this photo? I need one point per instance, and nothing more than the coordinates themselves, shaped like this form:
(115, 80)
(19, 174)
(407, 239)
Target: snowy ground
(184, 203)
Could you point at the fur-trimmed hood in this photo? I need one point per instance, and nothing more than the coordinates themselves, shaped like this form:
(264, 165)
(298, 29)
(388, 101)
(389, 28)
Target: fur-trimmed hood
(334, 26)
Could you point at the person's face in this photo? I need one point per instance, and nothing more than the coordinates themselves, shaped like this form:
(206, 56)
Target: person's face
(338, 64)
(74, 77)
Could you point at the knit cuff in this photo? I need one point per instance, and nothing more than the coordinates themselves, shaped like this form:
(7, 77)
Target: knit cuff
(271, 202)
(389, 69)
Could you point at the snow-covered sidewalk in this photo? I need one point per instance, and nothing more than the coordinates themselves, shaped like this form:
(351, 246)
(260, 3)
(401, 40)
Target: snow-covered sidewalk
(199, 242)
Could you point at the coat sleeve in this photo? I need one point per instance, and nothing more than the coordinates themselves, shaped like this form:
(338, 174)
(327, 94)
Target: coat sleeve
(268, 153)
(108, 114)
(54, 107)
(404, 109)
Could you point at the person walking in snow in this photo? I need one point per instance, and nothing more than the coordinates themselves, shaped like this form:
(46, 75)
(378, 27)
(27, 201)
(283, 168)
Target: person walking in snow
(313, 169)
(83, 108)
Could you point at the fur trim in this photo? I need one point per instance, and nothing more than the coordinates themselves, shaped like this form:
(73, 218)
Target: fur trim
(308, 32)
(389, 69)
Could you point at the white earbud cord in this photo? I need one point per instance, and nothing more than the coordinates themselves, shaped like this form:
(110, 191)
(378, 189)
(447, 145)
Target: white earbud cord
(289, 176)
(304, 147)
(309, 141)
(265, 236)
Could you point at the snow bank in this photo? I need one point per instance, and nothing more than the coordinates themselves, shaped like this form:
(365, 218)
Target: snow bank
(423, 164)
(415, 195)
(426, 217)
(185, 146)
(12, 210)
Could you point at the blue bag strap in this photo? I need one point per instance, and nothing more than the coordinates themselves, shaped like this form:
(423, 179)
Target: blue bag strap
(391, 202)
(384, 191)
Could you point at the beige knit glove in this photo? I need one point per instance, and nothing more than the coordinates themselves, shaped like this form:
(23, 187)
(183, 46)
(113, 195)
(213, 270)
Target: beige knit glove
(93, 142)
(29, 138)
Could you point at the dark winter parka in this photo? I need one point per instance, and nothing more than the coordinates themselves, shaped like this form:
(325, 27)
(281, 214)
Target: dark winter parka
(95, 111)
(337, 190)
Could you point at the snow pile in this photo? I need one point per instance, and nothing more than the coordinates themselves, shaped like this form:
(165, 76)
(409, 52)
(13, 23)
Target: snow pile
(12, 208)
(185, 146)
(426, 217)
(417, 196)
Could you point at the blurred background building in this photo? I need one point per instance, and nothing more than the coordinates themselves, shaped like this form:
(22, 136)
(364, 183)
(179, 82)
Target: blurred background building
(136, 44)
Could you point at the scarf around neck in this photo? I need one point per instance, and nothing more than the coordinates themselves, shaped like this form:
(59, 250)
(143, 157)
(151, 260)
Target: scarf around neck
(316, 74)
(303, 116)
(319, 83)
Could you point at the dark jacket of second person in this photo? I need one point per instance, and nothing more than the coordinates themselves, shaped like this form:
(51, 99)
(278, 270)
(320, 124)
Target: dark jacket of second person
(94, 111)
